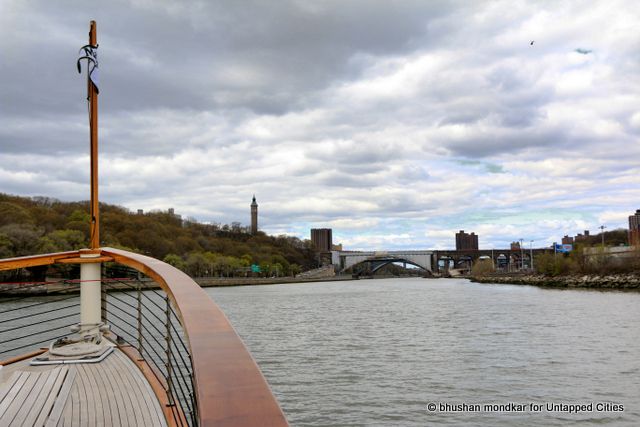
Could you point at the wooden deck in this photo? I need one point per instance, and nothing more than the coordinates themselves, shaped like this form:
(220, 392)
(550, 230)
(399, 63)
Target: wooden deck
(111, 393)
(229, 389)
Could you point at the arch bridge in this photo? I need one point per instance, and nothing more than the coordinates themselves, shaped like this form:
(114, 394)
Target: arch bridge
(378, 259)
(438, 261)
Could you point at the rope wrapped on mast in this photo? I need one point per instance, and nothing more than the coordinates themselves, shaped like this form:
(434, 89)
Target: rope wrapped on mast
(91, 55)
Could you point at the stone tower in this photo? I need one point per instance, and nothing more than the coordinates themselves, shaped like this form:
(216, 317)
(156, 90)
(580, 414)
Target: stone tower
(254, 216)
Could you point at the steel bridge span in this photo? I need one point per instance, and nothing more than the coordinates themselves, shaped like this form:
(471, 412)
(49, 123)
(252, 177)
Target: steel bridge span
(347, 259)
(437, 261)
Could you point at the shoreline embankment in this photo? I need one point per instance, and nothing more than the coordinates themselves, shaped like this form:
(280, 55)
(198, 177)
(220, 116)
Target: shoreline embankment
(250, 281)
(620, 282)
(627, 281)
(53, 287)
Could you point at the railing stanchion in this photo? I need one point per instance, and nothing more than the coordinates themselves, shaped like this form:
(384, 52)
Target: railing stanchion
(140, 338)
(193, 396)
(168, 351)
(103, 303)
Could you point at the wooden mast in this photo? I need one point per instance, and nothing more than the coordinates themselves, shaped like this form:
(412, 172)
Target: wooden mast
(93, 126)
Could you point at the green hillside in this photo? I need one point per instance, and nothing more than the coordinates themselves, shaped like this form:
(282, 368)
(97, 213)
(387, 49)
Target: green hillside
(42, 225)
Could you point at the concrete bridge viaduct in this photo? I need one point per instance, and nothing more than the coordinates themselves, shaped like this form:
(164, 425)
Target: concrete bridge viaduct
(438, 261)
(347, 259)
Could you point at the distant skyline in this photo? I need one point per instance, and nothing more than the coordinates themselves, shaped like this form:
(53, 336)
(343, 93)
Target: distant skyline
(396, 124)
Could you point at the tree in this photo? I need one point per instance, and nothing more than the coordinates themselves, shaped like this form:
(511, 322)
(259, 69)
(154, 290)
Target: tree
(6, 247)
(24, 238)
(264, 268)
(277, 269)
(79, 220)
(554, 264)
(282, 263)
(67, 240)
(482, 267)
(294, 269)
(196, 264)
(46, 225)
(12, 213)
(246, 260)
(212, 262)
(176, 261)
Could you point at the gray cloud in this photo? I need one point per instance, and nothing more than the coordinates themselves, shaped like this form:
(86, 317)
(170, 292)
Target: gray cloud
(411, 115)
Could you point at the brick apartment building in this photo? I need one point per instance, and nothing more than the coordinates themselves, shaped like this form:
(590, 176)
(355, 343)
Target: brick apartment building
(466, 242)
(634, 229)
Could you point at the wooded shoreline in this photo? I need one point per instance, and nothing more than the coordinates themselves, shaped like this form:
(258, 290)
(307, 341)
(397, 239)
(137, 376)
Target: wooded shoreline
(57, 288)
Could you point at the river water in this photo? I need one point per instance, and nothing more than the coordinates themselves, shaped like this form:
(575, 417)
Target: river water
(415, 352)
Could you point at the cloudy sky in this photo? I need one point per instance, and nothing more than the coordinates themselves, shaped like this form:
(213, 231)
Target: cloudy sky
(396, 123)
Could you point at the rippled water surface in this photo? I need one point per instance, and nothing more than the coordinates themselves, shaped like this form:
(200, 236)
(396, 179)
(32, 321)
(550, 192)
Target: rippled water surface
(380, 352)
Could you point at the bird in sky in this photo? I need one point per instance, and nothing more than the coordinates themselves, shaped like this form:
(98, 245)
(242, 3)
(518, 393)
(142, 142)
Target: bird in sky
(531, 42)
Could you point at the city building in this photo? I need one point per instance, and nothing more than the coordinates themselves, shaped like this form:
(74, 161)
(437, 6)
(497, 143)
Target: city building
(254, 216)
(322, 239)
(567, 240)
(634, 229)
(466, 242)
(582, 237)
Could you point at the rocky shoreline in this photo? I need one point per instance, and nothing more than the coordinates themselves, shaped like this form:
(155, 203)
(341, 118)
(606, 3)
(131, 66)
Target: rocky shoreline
(609, 281)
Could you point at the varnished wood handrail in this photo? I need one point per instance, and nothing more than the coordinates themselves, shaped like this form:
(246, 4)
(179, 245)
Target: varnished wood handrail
(24, 356)
(35, 260)
(230, 389)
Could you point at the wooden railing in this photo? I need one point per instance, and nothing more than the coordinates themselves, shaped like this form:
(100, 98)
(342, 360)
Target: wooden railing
(230, 389)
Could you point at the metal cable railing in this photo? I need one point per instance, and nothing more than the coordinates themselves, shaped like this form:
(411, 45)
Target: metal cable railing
(29, 321)
(145, 319)
(140, 316)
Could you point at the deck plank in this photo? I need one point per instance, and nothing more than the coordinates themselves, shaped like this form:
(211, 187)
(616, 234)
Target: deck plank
(33, 400)
(85, 400)
(107, 400)
(114, 405)
(113, 392)
(67, 419)
(124, 376)
(48, 404)
(103, 394)
(62, 404)
(39, 397)
(9, 384)
(15, 388)
(96, 416)
(23, 395)
(153, 410)
(75, 404)
(121, 416)
(146, 394)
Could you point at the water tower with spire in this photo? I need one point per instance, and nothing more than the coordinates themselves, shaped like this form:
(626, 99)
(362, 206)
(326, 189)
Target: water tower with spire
(254, 216)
